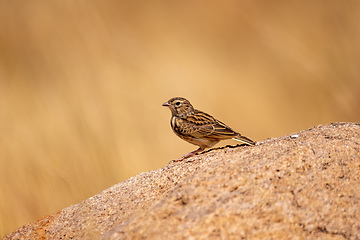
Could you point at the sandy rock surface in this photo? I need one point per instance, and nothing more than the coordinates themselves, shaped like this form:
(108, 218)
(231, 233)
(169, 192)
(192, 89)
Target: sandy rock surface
(302, 186)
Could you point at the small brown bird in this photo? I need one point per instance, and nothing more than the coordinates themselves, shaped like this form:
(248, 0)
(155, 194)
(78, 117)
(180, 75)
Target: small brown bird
(199, 128)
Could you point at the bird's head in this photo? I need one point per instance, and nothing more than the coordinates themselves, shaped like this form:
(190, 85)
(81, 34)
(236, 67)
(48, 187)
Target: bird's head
(179, 106)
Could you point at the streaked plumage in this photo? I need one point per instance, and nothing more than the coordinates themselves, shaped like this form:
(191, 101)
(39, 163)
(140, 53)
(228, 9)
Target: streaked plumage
(199, 128)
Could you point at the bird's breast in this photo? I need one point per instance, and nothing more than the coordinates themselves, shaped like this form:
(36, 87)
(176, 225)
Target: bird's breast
(173, 122)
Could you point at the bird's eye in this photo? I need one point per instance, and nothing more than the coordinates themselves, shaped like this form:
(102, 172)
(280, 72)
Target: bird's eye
(177, 103)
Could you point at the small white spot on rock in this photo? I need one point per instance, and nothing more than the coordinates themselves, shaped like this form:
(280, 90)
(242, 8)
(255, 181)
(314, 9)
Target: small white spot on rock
(294, 136)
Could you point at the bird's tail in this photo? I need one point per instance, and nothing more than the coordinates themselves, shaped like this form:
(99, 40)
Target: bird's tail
(244, 139)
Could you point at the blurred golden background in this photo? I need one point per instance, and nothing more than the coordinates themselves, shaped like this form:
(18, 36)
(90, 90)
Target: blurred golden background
(82, 83)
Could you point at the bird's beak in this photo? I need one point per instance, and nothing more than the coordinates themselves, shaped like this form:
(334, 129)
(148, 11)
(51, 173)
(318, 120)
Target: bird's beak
(166, 104)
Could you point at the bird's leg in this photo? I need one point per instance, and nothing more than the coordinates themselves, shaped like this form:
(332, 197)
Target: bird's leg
(190, 154)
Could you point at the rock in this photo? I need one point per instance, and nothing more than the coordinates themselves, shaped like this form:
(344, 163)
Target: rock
(306, 187)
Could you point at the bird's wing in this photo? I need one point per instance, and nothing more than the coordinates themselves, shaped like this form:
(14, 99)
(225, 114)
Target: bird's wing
(205, 126)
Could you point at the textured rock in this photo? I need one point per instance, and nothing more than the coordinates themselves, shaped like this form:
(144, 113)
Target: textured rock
(305, 186)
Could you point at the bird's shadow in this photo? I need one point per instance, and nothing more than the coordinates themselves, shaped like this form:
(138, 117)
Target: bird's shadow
(227, 146)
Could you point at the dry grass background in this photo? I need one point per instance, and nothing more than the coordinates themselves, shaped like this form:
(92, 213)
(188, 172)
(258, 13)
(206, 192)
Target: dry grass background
(82, 83)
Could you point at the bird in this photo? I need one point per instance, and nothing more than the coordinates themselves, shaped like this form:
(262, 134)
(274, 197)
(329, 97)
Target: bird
(198, 127)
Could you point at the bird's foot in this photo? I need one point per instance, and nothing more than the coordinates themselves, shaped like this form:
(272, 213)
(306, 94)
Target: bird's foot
(190, 154)
(184, 157)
